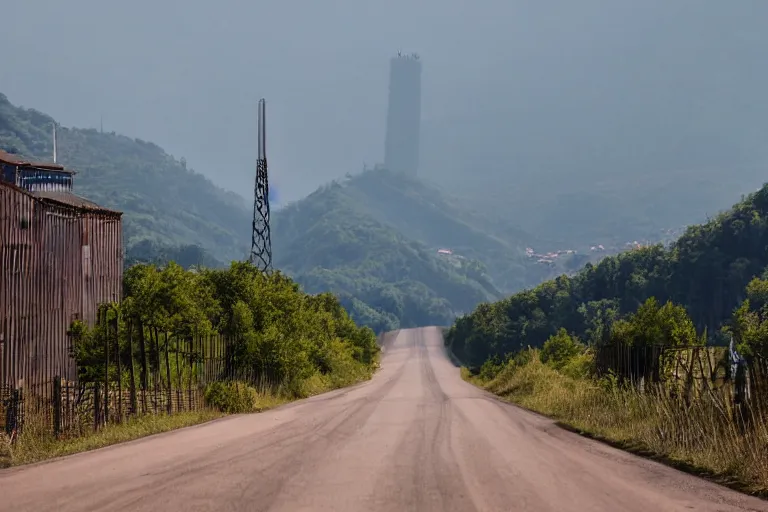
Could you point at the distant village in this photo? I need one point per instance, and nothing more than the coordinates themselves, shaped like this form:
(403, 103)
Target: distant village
(595, 251)
(551, 257)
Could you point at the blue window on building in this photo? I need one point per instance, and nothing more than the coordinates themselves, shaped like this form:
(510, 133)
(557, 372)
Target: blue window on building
(41, 179)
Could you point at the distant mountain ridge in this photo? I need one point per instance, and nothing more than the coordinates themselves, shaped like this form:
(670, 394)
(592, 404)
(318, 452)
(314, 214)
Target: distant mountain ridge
(328, 242)
(163, 201)
(424, 213)
(400, 252)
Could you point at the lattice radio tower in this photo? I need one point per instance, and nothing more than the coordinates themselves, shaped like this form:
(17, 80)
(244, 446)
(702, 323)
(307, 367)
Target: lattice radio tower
(261, 242)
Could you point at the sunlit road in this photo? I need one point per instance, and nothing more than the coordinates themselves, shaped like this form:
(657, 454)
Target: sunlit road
(415, 438)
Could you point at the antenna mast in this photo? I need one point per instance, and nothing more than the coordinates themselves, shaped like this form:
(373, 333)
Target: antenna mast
(54, 142)
(261, 241)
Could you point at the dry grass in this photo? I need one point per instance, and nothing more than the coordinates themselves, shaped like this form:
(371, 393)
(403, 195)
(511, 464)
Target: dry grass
(6, 455)
(701, 437)
(38, 443)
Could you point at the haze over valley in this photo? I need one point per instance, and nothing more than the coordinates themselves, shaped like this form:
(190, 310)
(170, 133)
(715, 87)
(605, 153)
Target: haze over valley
(515, 249)
(551, 137)
(596, 122)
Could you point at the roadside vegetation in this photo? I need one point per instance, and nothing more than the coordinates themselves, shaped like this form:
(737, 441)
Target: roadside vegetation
(698, 437)
(154, 354)
(706, 271)
(280, 339)
(691, 416)
(635, 349)
(38, 444)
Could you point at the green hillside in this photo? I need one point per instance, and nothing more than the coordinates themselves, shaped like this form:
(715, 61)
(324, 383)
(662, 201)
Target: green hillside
(329, 243)
(706, 270)
(423, 213)
(164, 201)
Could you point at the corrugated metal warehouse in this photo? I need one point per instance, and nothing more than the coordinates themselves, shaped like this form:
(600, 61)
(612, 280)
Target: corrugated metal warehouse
(60, 257)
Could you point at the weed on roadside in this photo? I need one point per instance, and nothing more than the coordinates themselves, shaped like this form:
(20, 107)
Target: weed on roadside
(701, 436)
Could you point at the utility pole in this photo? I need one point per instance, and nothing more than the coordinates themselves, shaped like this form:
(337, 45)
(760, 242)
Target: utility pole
(261, 241)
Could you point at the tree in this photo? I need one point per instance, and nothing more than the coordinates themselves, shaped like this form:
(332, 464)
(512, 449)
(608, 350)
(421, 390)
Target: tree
(749, 324)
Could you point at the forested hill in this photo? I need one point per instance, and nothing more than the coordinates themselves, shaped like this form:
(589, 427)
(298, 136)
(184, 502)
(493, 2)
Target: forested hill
(706, 270)
(164, 202)
(330, 242)
(420, 212)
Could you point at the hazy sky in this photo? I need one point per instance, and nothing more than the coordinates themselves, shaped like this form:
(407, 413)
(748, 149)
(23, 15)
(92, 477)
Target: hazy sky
(508, 86)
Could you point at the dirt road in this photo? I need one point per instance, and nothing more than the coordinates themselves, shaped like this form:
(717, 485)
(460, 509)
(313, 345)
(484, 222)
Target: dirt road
(415, 438)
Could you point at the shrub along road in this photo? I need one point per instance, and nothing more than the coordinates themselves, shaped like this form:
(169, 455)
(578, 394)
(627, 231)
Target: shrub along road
(415, 437)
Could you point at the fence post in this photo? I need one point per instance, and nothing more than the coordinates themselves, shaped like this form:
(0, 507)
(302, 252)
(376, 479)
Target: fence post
(96, 405)
(132, 382)
(118, 355)
(57, 406)
(156, 371)
(105, 333)
(68, 413)
(740, 395)
(192, 361)
(143, 374)
(179, 387)
(13, 413)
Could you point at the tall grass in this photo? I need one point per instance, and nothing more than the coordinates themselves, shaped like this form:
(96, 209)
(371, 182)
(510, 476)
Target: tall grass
(38, 442)
(703, 436)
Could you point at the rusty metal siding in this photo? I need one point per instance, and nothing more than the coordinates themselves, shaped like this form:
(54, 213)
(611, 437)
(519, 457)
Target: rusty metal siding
(102, 262)
(45, 283)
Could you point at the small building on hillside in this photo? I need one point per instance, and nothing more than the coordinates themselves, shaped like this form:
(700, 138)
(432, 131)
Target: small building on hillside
(60, 257)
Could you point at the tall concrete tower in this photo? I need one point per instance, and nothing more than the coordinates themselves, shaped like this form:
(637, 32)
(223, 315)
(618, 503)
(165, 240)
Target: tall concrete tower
(401, 147)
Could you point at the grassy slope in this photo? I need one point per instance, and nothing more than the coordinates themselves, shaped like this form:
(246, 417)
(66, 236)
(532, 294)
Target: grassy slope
(696, 438)
(163, 201)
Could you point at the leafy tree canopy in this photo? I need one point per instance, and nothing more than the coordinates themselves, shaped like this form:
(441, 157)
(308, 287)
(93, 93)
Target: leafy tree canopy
(705, 272)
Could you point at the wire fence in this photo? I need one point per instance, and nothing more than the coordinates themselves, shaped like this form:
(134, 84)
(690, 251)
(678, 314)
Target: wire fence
(688, 372)
(128, 370)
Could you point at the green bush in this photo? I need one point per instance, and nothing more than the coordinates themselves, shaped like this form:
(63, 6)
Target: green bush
(560, 349)
(231, 397)
(491, 368)
(581, 366)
